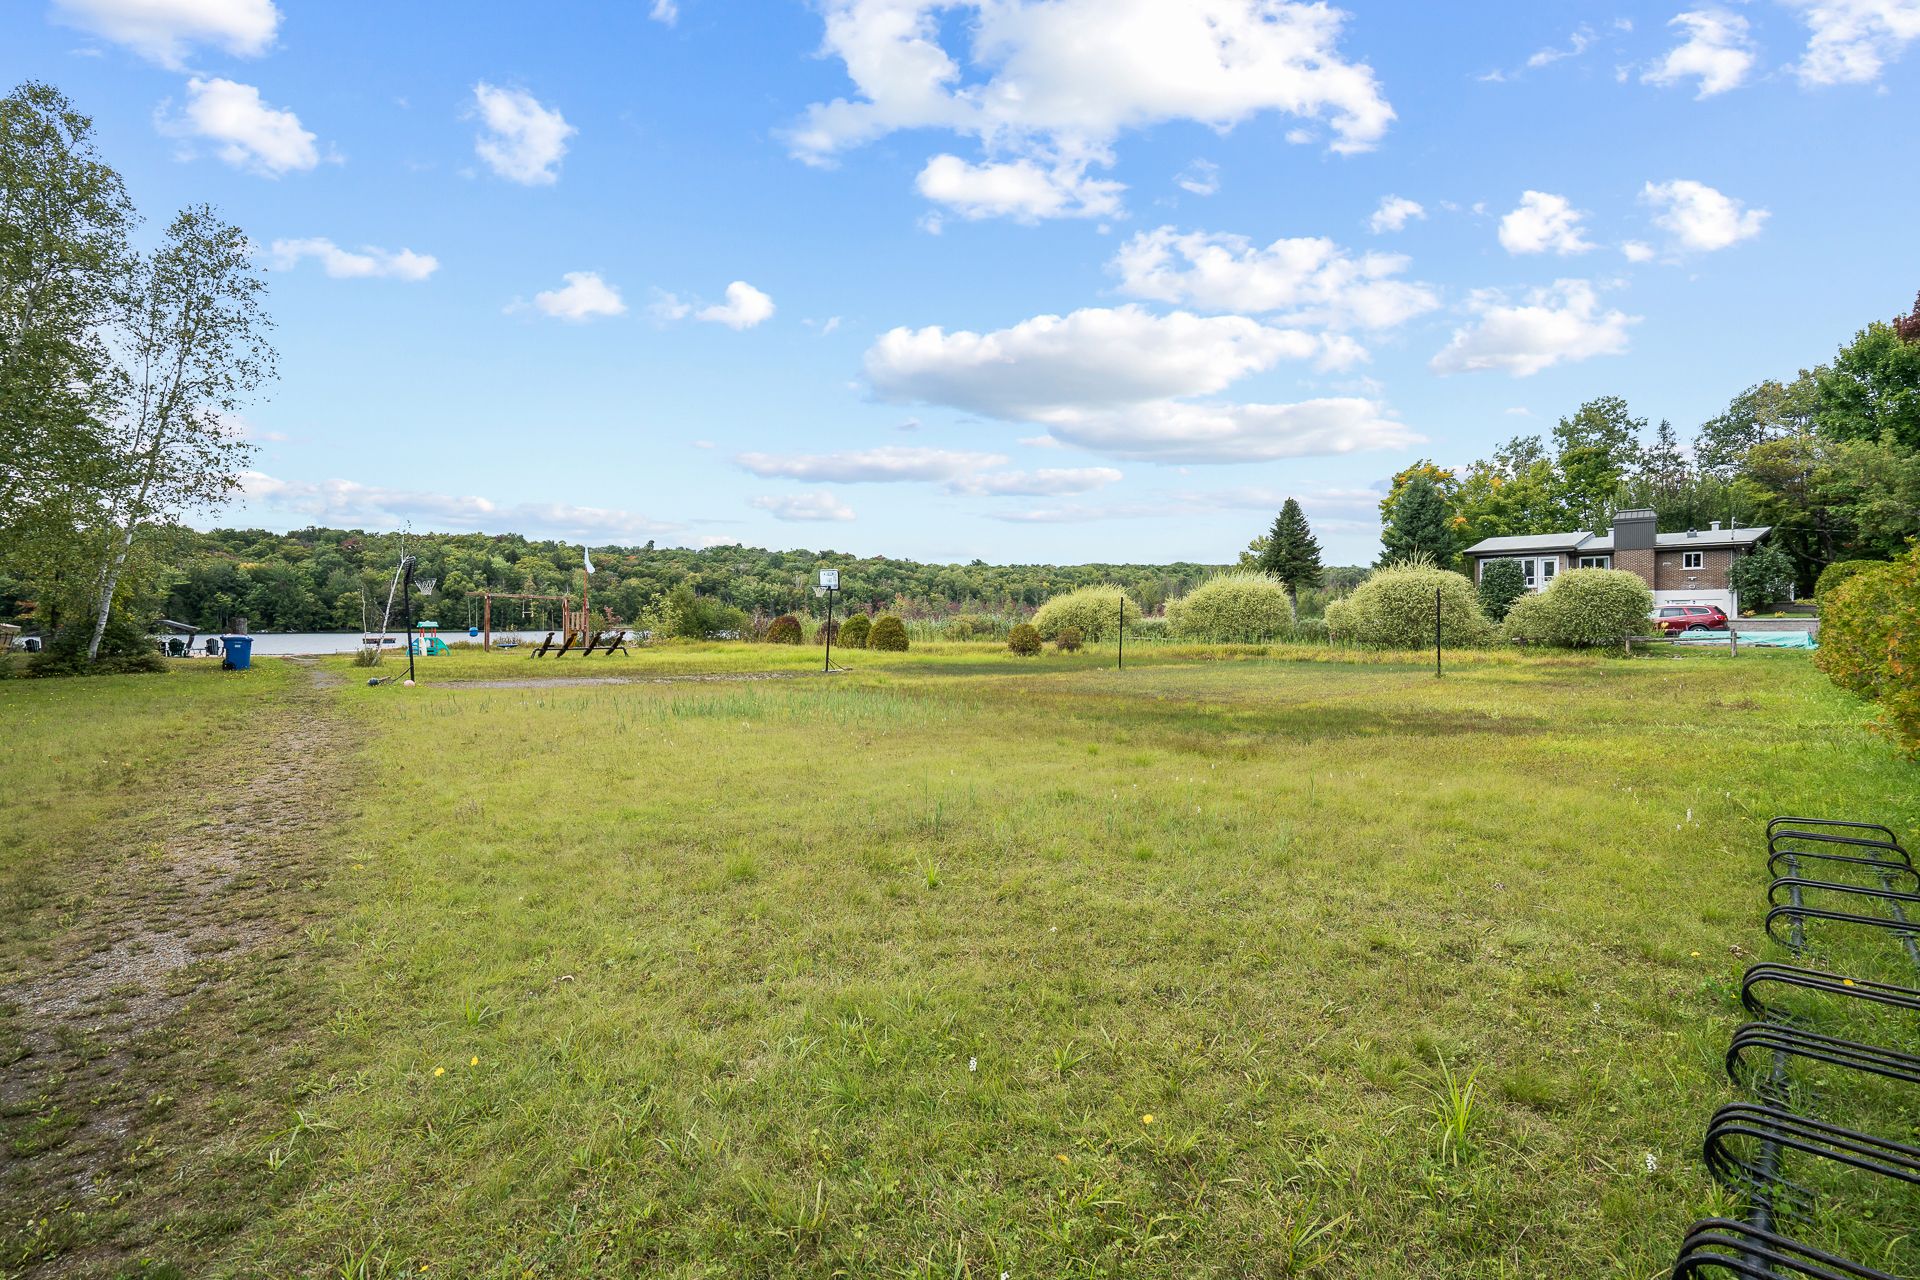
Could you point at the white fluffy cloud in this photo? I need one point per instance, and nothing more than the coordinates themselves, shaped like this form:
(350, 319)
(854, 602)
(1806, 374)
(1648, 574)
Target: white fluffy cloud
(367, 262)
(744, 308)
(521, 140)
(805, 506)
(1394, 213)
(1561, 323)
(1124, 381)
(1699, 217)
(666, 12)
(244, 131)
(1310, 280)
(1544, 223)
(1097, 357)
(164, 30)
(889, 463)
(1201, 178)
(584, 296)
(1577, 44)
(1054, 82)
(1044, 482)
(1717, 51)
(348, 504)
(1637, 251)
(1180, 431)
(1851, 41)
(1020, 189)
(961, 471)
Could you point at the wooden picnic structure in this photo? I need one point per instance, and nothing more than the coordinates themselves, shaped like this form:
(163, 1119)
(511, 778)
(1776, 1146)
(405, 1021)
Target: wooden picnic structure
(577, 628)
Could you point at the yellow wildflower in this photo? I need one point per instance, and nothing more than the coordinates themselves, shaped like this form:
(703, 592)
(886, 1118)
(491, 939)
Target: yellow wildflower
(439, 1071)
(1063, 1160)
(476, 1057)
(1147, 1119)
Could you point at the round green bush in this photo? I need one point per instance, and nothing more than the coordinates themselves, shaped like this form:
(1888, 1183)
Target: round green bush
(854, 632)
(827, 632)
(1393, 609)
(784, 629)
(888, 633)
(1067, 640)
(1024, 639)
(1233, 608)
(971, 626)
(1870, 643)
(1589, 607)
(1838, 572)
(124, 650)
(1527, 620)
(1094, 610)
(1856, 630)
(1501, 583)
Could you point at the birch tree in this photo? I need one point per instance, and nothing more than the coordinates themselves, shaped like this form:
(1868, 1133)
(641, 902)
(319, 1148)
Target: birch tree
(191, 347)
(64, 220)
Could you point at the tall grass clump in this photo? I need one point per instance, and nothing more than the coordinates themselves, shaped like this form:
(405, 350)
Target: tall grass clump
(1233, 608)
(1394, 609)
(1096, 611)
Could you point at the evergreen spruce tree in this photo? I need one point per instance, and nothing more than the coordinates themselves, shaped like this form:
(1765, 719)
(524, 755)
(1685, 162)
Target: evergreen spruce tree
(1292, 553)
(1419, 522)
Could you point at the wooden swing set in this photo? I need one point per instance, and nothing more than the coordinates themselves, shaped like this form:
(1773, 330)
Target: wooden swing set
(576, 627)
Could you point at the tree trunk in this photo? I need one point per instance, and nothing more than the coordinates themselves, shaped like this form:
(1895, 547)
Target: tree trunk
(110, 572)
(109, 583)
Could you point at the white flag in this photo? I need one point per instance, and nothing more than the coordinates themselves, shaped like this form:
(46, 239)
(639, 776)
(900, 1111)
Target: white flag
(589, 558)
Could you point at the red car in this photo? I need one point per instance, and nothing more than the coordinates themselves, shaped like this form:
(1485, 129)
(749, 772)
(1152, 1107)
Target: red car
(1675, 618)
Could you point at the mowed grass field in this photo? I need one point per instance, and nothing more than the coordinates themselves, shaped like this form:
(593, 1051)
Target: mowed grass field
(955, 965)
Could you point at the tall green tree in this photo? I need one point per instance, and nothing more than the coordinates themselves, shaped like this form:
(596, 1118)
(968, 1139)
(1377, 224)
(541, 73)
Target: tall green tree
(193, 332)
(1599, 446)
(64, 222)
(1766, 411)
(1872, 389)
(1418, 523)
(1292, 553)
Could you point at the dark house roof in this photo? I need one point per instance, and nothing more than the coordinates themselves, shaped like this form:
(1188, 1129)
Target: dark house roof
(1590, 544)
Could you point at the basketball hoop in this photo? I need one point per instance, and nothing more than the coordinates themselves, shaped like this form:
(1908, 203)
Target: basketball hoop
(424, 585)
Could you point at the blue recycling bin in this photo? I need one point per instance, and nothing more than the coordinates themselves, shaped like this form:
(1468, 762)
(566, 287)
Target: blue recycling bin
(239, 652)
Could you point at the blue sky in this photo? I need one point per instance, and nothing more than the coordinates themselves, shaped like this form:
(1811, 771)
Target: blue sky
(1022, 280)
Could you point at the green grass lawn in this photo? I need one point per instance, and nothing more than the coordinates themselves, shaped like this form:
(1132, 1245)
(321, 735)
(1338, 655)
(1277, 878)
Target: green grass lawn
(959, 965)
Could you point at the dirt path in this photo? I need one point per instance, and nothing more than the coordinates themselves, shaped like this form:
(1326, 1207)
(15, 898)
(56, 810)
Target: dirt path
(575, 682)
(175, 925)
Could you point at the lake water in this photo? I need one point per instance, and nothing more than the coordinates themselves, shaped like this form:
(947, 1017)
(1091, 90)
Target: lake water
(281, 644)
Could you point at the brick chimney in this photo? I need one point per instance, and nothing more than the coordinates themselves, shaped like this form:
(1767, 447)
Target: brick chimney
(1633, 529)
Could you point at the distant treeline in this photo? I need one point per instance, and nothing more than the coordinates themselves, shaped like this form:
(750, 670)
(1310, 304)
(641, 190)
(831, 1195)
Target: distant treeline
(322, 579)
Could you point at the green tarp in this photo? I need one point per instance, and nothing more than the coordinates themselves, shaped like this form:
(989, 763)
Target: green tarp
(1762, 639)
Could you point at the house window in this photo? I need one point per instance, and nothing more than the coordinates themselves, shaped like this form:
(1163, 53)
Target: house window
(1539, 570)
(1692, 559)
(1596, 562)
